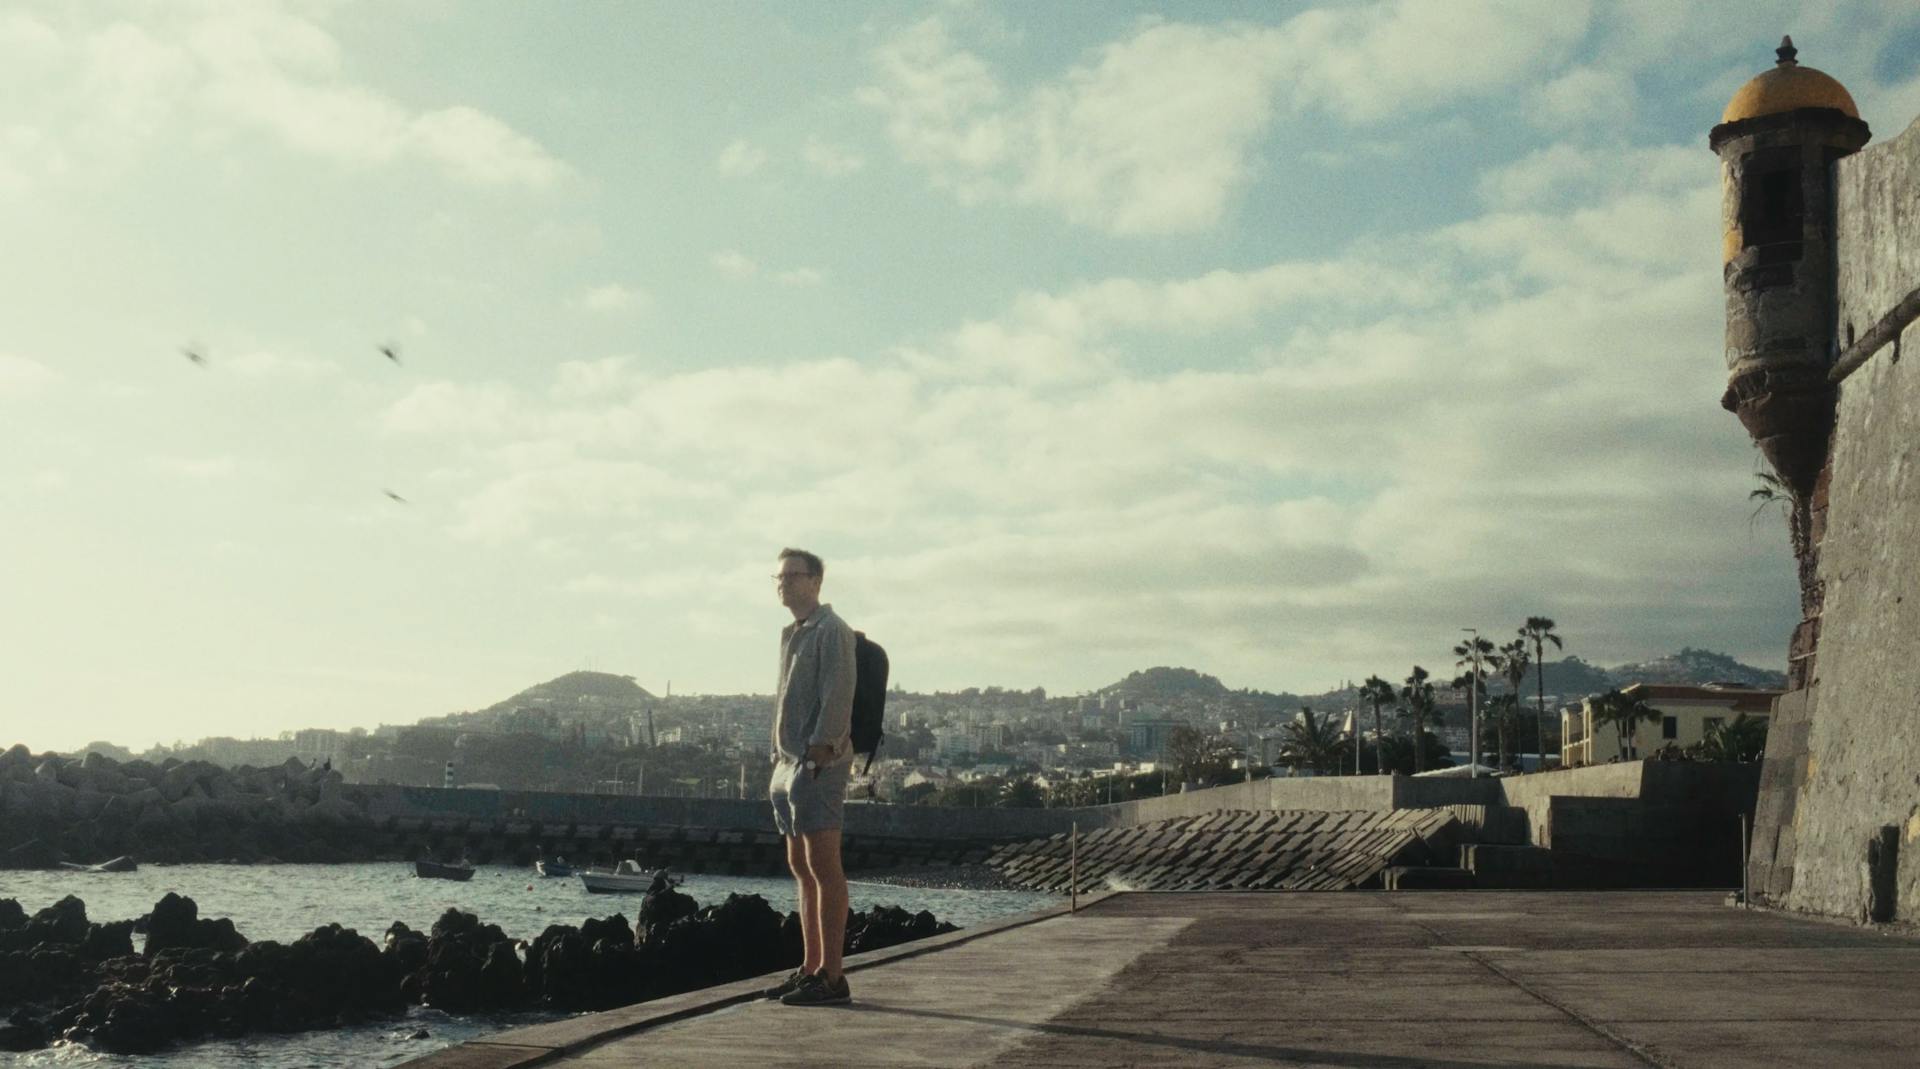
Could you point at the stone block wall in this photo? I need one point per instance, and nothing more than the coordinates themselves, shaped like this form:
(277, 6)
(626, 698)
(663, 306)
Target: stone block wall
(1846, 767)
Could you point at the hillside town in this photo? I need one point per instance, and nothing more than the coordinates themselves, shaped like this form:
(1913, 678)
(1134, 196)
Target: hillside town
(1157, 730)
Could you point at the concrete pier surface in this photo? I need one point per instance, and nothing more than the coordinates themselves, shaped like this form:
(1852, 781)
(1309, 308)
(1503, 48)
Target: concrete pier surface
(1449, 979)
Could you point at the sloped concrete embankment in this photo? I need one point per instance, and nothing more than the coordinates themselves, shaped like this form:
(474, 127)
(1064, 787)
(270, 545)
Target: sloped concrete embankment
(1291, 850)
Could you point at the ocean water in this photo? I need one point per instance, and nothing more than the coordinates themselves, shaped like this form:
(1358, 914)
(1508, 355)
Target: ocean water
(284, 902)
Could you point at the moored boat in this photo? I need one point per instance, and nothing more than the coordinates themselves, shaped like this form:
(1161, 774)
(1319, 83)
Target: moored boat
(556, 867)
(435, 870)
(628, 879)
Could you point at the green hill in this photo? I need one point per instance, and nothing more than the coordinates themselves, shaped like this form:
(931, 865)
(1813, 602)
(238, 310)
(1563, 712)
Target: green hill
(580, 691)
(1696, 667)
(1167, 684)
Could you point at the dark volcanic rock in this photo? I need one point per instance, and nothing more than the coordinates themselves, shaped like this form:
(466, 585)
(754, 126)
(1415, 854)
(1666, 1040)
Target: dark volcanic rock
(63, 922)
(885, 926)
(32, 854)
(23, 1032)
(471, 967)
(404, 949)
(199, 978)
(175, 922)
(661, 907)
(123, 1020)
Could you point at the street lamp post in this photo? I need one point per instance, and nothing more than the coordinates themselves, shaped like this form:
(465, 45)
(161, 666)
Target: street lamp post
(1473, 703)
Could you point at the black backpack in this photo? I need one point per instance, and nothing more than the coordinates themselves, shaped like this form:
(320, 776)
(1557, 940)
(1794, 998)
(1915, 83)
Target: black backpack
(869, 697)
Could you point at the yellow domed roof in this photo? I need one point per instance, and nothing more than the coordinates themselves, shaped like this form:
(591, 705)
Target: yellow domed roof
(1786, 87)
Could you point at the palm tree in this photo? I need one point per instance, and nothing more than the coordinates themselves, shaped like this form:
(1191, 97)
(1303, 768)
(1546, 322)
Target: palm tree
(1022, 793)
(1476, 696)
(1512, 663)
(1376, 692)
(1744, 738)
(1539, 631)
(1312, 739)
(1503, 716)
(1473, 654)
(1626, 712)
(1417, 696)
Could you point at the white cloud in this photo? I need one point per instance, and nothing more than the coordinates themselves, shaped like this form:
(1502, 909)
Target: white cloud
(613, 297)
(21, 377)
(476, 147)
(739, 159)
(800, 277)
(1584, 99)
(195, 469)
(1343, 458)
(1565, 176)
(824, 159)
(1373, 62)
(453, 408)
(99, 89)
(264, 364)
(734, 263)
(579, 380)
(1155, 132)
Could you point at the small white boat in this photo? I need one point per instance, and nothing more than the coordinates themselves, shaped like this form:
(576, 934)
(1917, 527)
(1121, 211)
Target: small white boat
(627, 879)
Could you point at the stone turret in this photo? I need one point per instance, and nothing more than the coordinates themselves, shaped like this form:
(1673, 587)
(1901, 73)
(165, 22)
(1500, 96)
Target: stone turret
(1777, 143)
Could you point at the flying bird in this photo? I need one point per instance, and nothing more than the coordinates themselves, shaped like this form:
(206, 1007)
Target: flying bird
(391, 352)
(395, 496)
(194, 355)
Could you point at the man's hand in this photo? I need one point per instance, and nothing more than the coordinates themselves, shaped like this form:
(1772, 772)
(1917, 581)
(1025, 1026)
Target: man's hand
(821, 755)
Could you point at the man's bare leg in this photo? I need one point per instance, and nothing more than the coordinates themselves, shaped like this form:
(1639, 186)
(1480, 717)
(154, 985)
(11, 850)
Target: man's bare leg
(830, 905)
(807, 894)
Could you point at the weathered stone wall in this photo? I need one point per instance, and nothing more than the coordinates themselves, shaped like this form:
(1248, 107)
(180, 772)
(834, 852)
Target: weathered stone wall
(1856, 770)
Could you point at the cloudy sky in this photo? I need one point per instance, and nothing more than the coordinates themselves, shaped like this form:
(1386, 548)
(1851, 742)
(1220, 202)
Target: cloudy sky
(1277, 340)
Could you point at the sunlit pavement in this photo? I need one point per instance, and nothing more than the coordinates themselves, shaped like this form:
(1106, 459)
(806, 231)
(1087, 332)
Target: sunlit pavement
(1448, 979)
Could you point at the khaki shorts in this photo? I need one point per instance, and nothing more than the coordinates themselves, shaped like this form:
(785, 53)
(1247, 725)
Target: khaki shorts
(804, 802)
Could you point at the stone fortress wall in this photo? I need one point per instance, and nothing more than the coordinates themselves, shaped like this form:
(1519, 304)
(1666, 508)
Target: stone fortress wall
(1839, 817)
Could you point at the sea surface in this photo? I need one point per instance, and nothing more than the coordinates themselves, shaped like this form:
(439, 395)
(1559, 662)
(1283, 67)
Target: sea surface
(284, 902)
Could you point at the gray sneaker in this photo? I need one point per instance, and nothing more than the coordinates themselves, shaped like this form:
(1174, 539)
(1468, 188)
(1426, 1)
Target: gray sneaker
(786, 987)
(818, 991)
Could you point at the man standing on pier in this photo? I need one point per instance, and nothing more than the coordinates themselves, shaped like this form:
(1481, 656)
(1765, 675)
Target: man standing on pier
(812, 761)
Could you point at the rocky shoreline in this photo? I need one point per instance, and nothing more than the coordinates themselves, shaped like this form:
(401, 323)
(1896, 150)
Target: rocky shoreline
(65, 977)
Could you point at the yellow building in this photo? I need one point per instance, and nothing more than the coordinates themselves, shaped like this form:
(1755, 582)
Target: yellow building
(1687, 713)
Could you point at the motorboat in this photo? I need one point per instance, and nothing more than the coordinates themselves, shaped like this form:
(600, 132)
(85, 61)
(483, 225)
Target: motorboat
(435, 870)
(556, 867)
(626, 879)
